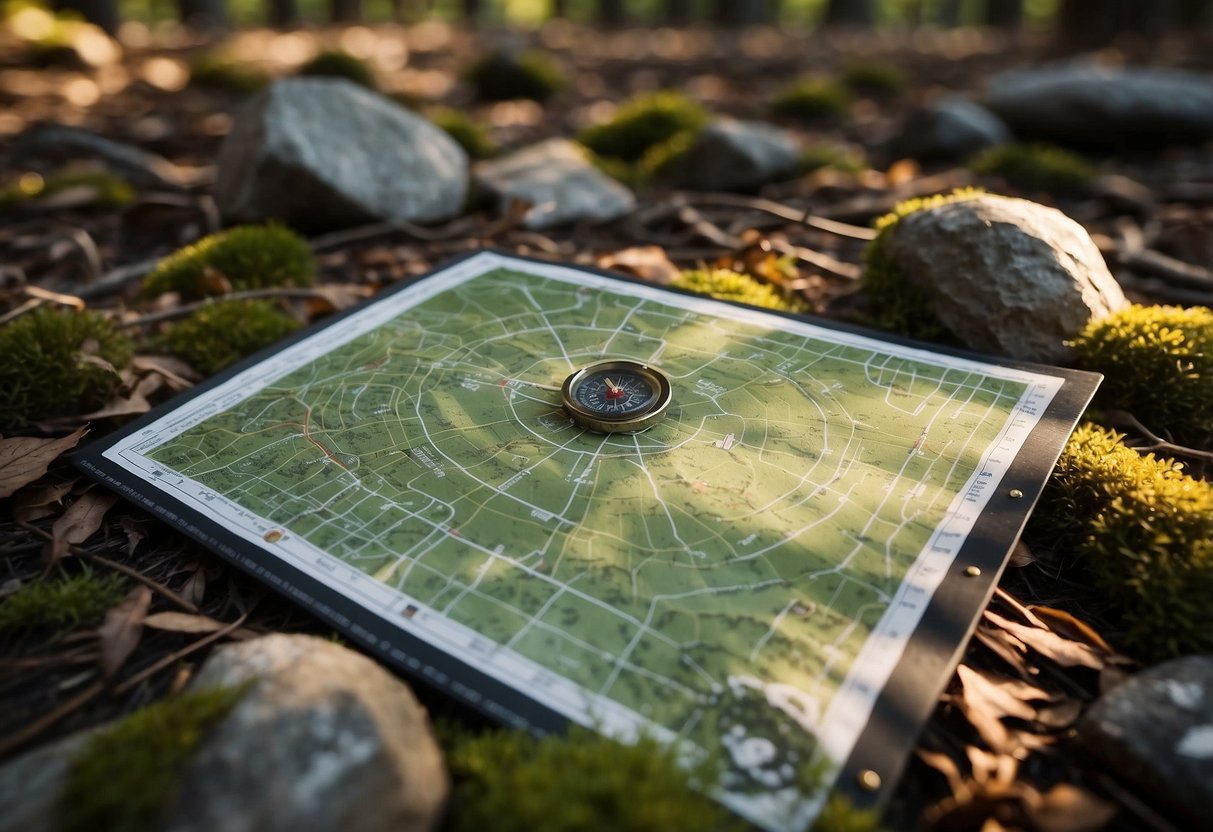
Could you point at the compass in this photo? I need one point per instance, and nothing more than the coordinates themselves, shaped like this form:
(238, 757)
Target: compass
(616, 396)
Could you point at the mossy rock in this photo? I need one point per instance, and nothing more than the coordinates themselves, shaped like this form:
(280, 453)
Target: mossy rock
(111, 192)
(217, 70)
(1157, 363)
(875, 78)
(58, 362)
(503, 76)
(246, 257)
(1144, 530)
(61, 603)
(221, 333)
(1036, 167)
(470, 134)
(644, 122)
(812, 97)
(336, 63)
(725, 284)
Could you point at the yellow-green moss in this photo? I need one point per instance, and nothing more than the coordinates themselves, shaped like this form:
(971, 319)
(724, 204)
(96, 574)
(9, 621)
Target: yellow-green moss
(644, 122)
(841, 159)
(1158, 364)
(58, 362)
(249, 257)
(470, 134)
(812, 97)
(124, 775)
(1035, 167)
(111, 191)
(504, 77)
(1144, 530)
(336, 63)
(733, 286)
(875, 78)
(217, 70)
(841, 815)
(658, 160)
(508, 781)
(61, 603)
(222, 333)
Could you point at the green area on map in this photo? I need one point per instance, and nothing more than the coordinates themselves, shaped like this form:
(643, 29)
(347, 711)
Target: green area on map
(717, 573)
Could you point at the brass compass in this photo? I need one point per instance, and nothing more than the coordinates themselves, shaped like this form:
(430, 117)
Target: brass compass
(616, 396)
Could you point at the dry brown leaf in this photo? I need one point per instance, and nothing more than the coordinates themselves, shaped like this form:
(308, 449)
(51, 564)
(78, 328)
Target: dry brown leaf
(176, 373)
(985, 700)
(82, 518)
(946, 766)
(1067, 626)
(122, 628)
(183, 622)
(24, 459)
(1008, 648)
(646, 262)
(1021, 556)
(214, 282)
(133, 403)
(342, 296)
(35, 503)
(1067, 808)
(1050, 645)
(134, 533)
(1061, 714)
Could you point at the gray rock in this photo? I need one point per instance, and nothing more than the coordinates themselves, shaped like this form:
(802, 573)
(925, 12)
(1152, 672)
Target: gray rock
(1156, 731)
(951, 127)
(325, 739)
(324, 152)
(559, 184)
(730, 155)
(1005, 275)
(30, 784)
(1089, 105)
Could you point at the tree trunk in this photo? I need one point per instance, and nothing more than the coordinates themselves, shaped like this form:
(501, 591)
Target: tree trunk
(612, 13)
(949, 14)
(1005, 14)
(678, 12)
(345, 11)
(1088, 24)
(283, 14)
(560, 8)
(103, 13)
(472, 10)
(849, 13)
(203, 14)
(740, 12)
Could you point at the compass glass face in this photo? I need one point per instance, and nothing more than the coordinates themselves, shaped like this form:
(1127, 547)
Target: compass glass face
(615, 393)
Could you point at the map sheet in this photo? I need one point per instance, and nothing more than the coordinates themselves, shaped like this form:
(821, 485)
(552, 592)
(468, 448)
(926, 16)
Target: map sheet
(740, 579)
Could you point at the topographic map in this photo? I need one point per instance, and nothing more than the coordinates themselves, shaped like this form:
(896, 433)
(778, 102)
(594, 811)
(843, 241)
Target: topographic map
(741, 577)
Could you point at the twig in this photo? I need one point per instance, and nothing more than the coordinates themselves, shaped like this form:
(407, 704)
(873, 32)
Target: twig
(786, 212)
(250, 294)
(336, 239)
(1124, 417)
(172, 658)
(117, 278)
(819, 259)
(20, 738)
(1168, 268)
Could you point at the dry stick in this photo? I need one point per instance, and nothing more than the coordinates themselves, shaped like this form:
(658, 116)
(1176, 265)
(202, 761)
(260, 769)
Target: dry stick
(785, 212)
(1170, 269)
(117, 278)
(20, 738)
(335, 239)
(1124, 417)
(170, 659)
(88, 247)
(251, 294)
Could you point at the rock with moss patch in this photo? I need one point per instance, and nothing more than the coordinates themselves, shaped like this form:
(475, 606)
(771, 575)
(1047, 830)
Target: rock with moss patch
(336, 63)
(950, 127)
(643, 123)
(220, 334)
(730, 155)
(324, 152)
(812, 97)
(1002, 275)
(556, 179)
(241, 258)
(510, 73)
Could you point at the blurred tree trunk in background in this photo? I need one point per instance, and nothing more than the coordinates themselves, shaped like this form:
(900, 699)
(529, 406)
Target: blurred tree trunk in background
(284, 14)
(612, 13)
(103, 13)
(345, 11)
(202, 14)
(949, 13)
(678, 12)
(1005, 14)
(560, 8)
(849, 13)
(472, 10)
(1086, 24)
(740, 12)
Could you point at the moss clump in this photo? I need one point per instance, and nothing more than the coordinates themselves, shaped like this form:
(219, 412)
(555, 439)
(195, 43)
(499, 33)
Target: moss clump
(471, 135)
(644, 122)
(61, 604)
(1158, 364)
(841, 815)
(247, 257)
(733, 286)
(659, 160)
(1035, 167)
(336, 63)
(216, 70)
(812, 97)
(123, 776)
(1144, 530)
(510, 782)
(896, 305)
(110, 191)
(875, 79)
(503, 76)
(833, 157)
(222, 333)
(58, 362)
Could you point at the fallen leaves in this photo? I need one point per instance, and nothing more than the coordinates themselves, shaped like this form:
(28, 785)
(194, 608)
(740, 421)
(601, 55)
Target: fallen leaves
(123, 626)
(83, 517)
(24, 459)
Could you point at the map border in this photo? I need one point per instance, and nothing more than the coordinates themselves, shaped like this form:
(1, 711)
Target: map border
(904, 702)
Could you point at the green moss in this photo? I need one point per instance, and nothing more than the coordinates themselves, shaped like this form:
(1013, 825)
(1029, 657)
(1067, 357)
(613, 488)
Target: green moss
(1035, 167)
(58, 362)
(659, 160)
(625, 172)
(509, 782)
(124, 775)
(336, 63)
(841, 815)
(249, 257)
(61, 603)
(644, 122)
(812, 97)
(732, 286)
(1144, 530)
(216, 70)
(875, 78)
(222, 333)
(111, 191)
(502, 76)
(1158, 364)
(831, 156)
(471, 135)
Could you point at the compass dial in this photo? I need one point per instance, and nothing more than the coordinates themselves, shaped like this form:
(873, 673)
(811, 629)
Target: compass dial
(616, 396)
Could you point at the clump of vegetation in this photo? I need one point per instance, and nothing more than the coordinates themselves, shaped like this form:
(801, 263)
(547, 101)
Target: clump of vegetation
(124, 775)
(510, 782)
(841, 159)
(896, 304)
(875, 78)
(643, 123)
(1144, 530)
(725, 284)
(1035, 167)
(812, 97)
(336, 63)
(504, 76)
(470, 134)
(58, 362)
(222, 333)
(61, 604)
(841, 815)
(1158, 364)
(217, 70)
(109, 191)
(659, 160)
(245, 257)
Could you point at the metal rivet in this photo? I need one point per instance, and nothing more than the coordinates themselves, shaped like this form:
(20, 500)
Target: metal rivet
(972, 571)
(869, 780)
(1015, 493)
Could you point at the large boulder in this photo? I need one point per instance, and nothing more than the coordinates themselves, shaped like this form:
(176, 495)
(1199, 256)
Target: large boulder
(1005, 275)
(950, 127)
(555, 179)
(325, 152)
(1098, 106)
(730, 155)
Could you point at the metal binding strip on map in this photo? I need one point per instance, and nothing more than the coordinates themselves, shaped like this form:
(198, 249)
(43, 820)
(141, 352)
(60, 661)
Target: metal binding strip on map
(616, 396)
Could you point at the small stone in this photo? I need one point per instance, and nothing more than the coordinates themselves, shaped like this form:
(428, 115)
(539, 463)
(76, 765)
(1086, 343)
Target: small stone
(555, 179)
(1156, 731)
(325, 152)
(730, 155)
(30, 784)
(951, 127)
(1006, 276)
